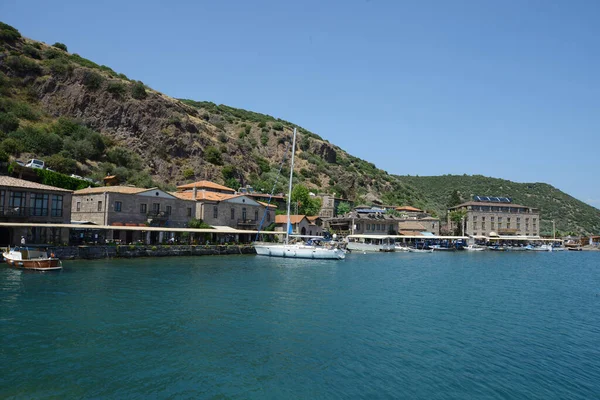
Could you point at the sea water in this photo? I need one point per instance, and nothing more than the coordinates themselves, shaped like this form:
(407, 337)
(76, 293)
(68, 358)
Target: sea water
(420, 326)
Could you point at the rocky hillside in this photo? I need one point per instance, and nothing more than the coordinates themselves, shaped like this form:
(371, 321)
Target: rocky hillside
(86, 119)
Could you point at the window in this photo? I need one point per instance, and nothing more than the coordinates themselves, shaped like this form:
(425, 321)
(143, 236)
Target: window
(493, 225)
(233, 213)
(78, 206)
(518, 219)
(99, 206)
(268, 217)
(143, 208)
(38, 204)
(16, 203)
(57, 205)
(256, 215)
(169, 209)
(492, 219)
(2, 199)
(474, 218)
(518, 225)
(499, 220)
(118, 206)
(215, 212)
(483, 226)
(189, 211)
(244, 213)
(368, 227)
(156, 208)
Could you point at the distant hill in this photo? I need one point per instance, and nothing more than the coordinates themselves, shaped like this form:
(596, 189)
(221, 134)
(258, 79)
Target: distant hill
(87, 119)
(568, 213)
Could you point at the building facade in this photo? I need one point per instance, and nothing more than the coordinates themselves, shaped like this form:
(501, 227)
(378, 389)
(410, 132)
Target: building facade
(129, 206)
(301, 225)
(329, 205)
(485, 218)
(218, 205)
(29, 202)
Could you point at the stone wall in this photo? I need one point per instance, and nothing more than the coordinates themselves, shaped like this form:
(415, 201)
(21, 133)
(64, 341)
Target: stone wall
(99, 252)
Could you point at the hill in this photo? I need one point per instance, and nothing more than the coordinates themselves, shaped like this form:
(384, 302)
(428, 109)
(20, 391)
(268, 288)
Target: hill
(569, 214)
(86, 119)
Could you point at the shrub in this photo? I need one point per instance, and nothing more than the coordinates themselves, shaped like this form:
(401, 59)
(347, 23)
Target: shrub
(263, 165)
(52, 54)
(19, 109)
(8, 122)
(3, 156)
(61, 46)
(12, 146)
(37, 140)
(278, 126)
(213, 155)
(141, 179)
(124, 158)
(264, 138)
(92, 80)
(8, 33)
(262, 124)
(32, 52)
(23, 66)
(59, 67)
(123, 76)
(53, 178)
(228, 172)
(247, 129)
(60, 163)
(188, 173)
(198, 224)
(242, 134)
(220, 125)
(138, 91)
(223, 137)
(117, 89)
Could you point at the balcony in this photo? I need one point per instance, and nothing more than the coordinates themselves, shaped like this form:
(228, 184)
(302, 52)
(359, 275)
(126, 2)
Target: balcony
(247, 223)
(157, 218)
(19, 213)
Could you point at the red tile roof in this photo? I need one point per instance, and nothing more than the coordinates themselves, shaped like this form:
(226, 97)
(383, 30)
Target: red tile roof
(294, 219)
(205, 185)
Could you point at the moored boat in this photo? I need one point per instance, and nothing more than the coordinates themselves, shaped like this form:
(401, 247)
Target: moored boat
(474, 247)
(31, 258)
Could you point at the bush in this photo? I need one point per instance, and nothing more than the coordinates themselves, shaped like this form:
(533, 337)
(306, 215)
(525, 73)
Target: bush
(12, 146)
(188, 173)
(60, 180)
(124, 158)
(228, 172)
(3, 156)
(19, 109)
(8, 122)
(263, 165)
(138, 91)
(223, 137)
(61, 46)
(32, 52)
(213, 155)
(264, 138)
(92, 80)
(38, 141)
(220, 125)
(59, 67)
(62, 164)
(8, 33)
(141, 179)
(262, 124)
(23, 66)
(278, 126)
(117, 89)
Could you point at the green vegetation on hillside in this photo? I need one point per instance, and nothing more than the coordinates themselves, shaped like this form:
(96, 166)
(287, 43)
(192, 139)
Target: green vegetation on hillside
(569, 213)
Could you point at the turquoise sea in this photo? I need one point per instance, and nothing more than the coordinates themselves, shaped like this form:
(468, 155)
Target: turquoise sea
(375, 326)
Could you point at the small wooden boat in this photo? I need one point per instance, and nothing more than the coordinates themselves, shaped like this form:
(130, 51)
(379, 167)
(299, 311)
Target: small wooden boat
(474, 247)
(415, 250)
(30, 258)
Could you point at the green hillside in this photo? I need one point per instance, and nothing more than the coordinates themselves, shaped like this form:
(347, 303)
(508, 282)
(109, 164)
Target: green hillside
(569, 214)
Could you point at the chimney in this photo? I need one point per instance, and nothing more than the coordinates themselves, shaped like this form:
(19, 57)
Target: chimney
(195, 192)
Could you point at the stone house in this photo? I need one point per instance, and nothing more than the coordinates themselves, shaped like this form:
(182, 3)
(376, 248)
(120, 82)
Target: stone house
(130, 206)
(219, 205)
(30, 202)
(301, 225)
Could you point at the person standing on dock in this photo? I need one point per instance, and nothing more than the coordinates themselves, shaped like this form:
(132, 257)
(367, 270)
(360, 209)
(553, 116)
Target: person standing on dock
(22, 240)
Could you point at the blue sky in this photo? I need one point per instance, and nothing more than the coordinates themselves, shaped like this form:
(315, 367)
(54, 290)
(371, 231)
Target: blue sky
(508, 89)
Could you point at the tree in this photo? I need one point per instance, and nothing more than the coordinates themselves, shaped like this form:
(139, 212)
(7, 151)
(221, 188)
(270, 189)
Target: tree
(343, 208)
(457, 216)
(198, 224)
(61, 46)
(454, 199)
(306, 204)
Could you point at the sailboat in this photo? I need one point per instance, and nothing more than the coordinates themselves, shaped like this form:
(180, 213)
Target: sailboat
(298, 250)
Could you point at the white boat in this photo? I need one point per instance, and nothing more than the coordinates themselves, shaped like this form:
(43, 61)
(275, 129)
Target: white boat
(370, 243)
(297, 250)
(413, 250)
(401, 248)
(31, 258)
(474, 247)
(543, 247)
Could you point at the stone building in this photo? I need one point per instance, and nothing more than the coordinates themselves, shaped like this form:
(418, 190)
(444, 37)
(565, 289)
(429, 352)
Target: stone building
(329, 205)
(363, 221)
(301, 225)
(218, 205)
(29, 202)
(130, 206)
(487, 216)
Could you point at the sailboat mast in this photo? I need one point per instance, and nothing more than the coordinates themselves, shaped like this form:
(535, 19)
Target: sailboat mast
(289, 204)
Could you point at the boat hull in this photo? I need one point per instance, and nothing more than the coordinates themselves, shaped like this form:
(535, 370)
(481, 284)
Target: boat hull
(294, 251)
(356, 246)
(49, 264)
